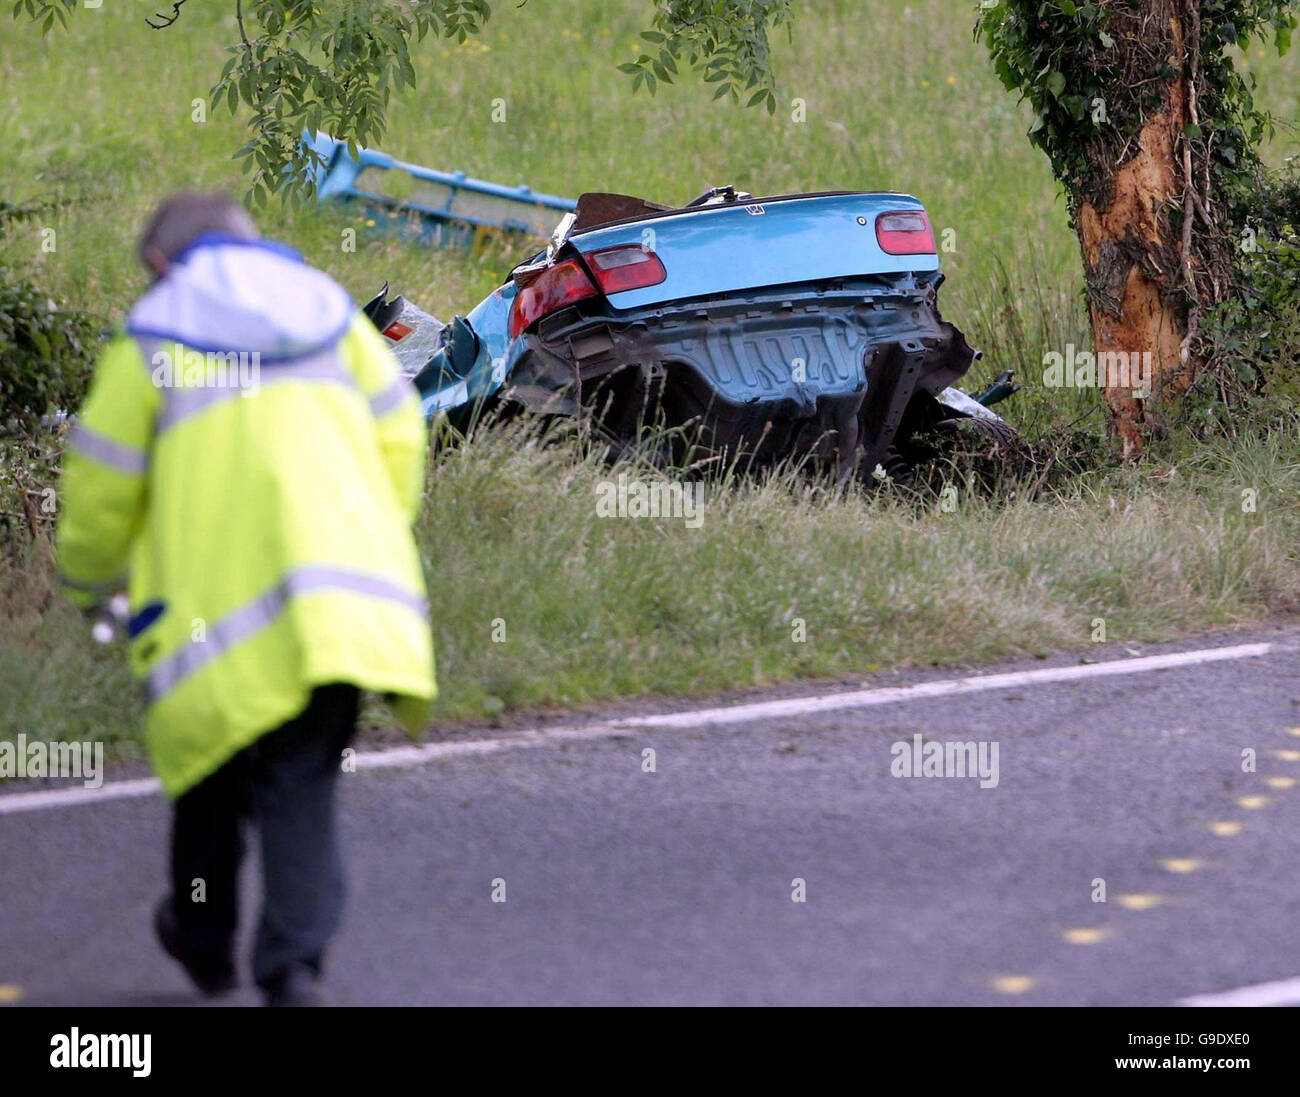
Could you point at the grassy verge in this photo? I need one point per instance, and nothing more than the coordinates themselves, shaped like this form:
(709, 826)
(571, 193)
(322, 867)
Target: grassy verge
(584, 607)
(597, 607)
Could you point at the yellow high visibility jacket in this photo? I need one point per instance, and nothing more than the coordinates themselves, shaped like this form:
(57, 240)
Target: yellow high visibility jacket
(251, 457)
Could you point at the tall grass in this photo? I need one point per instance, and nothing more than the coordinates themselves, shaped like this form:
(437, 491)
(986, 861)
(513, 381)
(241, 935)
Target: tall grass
(584, 607)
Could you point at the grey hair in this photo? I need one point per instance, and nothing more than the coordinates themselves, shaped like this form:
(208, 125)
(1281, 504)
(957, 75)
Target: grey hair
(184, 216)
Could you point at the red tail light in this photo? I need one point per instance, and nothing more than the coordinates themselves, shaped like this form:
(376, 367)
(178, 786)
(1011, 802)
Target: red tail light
(560, 285)
(628, 266)
(905, 232)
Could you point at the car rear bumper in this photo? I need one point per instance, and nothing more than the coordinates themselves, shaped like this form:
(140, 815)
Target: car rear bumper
(781, 367)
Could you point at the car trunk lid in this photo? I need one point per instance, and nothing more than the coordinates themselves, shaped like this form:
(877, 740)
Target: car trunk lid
(761, 242)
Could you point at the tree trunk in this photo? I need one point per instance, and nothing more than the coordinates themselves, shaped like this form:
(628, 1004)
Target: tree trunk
(1154, 244)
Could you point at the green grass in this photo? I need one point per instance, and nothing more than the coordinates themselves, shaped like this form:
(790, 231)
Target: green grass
(600, 607)
(898, 97)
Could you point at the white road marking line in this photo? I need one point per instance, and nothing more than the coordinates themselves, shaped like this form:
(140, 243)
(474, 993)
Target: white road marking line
(68, 797)
(1283, 992)
(733, 714)
(893, 694)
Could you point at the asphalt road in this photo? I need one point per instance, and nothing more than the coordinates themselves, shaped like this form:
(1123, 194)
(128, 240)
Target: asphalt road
(623, 886)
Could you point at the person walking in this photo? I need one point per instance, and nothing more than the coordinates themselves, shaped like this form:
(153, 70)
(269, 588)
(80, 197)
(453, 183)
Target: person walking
(249, 461)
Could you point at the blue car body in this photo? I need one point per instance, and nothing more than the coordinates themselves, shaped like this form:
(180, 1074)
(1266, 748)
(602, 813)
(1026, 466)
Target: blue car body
(789, 325)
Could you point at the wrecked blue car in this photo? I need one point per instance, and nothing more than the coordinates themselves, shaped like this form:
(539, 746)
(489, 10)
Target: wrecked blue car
(797, 326)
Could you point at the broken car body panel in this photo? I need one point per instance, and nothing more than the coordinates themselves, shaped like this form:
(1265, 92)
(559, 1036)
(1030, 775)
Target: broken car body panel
(450, 205)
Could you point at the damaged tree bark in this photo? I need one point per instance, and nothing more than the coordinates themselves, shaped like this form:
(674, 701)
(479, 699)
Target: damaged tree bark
(1155, 244)
(1148, 126)
(1135, 300)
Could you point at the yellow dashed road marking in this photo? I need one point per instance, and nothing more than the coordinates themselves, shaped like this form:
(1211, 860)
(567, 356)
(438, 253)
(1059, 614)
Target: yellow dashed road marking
(1085, 935)
(1224, 828)
(1139, 902)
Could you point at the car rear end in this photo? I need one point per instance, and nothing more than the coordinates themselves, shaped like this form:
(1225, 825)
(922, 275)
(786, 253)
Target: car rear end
(795, 324)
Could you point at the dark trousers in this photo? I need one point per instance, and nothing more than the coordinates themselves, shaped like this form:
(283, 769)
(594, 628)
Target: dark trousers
(284, 784)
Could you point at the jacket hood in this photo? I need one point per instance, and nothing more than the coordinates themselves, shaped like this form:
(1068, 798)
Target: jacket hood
(223, 294)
